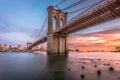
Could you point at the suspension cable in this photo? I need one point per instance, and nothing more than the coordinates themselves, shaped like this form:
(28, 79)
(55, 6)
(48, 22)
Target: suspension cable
(87, 9)
(44, 29)
(74, 4)
(41, 29)
(45, 32)
(59, 3)
(78, 9)
(81, 8)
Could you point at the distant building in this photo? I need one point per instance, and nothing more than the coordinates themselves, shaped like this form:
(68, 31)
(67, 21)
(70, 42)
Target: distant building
(35, 48)
(14, 49)
(118, 48)
(5, 47)
(20, 48)
(1, 47)
(43, 48)
(10, 46)
(24, 49)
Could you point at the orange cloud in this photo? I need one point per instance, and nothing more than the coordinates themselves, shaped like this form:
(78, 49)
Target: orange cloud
(105, 40)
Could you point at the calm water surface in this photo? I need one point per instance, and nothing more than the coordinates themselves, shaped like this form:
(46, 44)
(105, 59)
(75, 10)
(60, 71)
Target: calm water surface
(40, 66)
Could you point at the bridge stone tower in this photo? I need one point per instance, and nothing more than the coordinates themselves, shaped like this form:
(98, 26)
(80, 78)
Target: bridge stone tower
(28, 44)
(57, 42)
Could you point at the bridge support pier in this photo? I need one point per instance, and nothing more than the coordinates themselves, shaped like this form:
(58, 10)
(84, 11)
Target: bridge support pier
(57, 44)
(63, 48)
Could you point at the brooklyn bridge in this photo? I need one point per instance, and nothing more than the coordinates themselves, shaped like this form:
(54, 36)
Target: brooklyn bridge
(59, 28)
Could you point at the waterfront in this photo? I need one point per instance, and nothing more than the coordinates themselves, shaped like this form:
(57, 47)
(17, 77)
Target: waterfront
(40, 66)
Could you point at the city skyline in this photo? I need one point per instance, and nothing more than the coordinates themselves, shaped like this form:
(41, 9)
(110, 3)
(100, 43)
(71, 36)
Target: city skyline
(20, 21)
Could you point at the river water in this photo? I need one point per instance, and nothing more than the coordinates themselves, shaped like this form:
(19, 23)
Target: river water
(40, 66)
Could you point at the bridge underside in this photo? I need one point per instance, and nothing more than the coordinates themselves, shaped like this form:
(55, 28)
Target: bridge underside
(40, 41)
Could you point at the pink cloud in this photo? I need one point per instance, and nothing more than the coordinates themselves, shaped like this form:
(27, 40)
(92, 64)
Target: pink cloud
(106, 40)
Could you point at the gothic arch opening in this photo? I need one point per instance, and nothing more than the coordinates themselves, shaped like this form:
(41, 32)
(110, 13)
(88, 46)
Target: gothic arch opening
(61, 23)
(54, 23)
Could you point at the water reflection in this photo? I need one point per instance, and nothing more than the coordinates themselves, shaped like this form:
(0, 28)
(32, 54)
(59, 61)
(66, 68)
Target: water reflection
(56, 65)
(74, 66)
(22, 66)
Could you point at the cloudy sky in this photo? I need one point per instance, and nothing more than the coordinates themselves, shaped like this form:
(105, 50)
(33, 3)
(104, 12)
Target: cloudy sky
(21, 20)
(101, 37)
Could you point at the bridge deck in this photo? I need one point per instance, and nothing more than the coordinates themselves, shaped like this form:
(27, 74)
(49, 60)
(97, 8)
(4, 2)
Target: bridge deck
(100, 15)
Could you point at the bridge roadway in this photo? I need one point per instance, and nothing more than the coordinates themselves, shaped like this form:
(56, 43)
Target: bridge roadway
(101, 14)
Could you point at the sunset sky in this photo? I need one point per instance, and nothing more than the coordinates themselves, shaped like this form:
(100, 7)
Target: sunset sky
(101, 37)
(21, 20)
